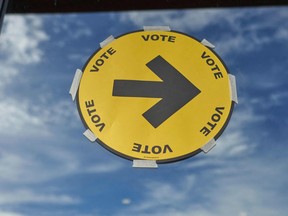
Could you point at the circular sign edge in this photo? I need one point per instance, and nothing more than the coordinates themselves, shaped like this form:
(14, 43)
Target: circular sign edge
(161, 161)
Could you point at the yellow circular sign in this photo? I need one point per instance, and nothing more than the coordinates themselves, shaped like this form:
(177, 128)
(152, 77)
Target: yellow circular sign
(155, 95)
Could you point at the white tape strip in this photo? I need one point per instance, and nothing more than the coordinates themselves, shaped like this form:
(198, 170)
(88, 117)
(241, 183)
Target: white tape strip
(233, 88)
(207, 43)
(90, 135)
(145, 164)
(107, 41)
(75, 83)
(156, 28)
(208, 146)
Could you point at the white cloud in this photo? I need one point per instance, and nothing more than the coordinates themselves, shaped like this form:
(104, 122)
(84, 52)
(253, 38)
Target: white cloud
(33, 151)
(27, 124)
(126, 201)
(235, 178)
(163, 194)
(25, 196)
(39, 162)
(61, 112)
(24, 118)
(271, 100)
(234, 142)
(104, 168)
(229, 188)
(25, 169)
(236, 29)
(7, 74)
(177, 20)
(20, 45)
(28, 158)
(20, 39)
(72, 25)
(15, 118)
(29, 166)
(78, 57)
(9, 213)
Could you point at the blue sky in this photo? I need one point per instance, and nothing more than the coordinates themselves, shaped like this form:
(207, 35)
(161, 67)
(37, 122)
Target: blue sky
(47, 167)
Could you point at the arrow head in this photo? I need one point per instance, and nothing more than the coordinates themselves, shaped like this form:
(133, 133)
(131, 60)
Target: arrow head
(178, 92)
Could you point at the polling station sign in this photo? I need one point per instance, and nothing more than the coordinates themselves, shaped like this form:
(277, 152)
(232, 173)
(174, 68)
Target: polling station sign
(155, 94)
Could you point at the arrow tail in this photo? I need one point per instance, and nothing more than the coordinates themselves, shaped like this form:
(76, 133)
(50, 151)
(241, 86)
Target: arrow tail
(136, 88)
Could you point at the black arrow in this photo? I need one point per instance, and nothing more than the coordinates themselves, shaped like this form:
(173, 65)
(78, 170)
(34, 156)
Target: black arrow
(175, 91)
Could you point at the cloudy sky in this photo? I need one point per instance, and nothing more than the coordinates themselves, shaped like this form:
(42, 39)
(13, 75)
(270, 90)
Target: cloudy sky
(47, 167)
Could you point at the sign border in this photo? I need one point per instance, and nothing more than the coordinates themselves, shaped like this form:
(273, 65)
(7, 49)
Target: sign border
(174, 159)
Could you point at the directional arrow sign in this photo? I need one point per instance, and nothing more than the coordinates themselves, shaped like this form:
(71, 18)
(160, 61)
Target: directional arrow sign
(175, 91)
(164, 118)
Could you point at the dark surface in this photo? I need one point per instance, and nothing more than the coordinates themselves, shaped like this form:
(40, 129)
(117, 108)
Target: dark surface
(60, 6)
(3, 6)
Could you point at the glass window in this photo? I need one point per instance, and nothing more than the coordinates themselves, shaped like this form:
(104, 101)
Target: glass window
(47, 167)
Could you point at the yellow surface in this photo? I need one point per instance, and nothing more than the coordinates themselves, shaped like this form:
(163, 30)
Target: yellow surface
(122, 116)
